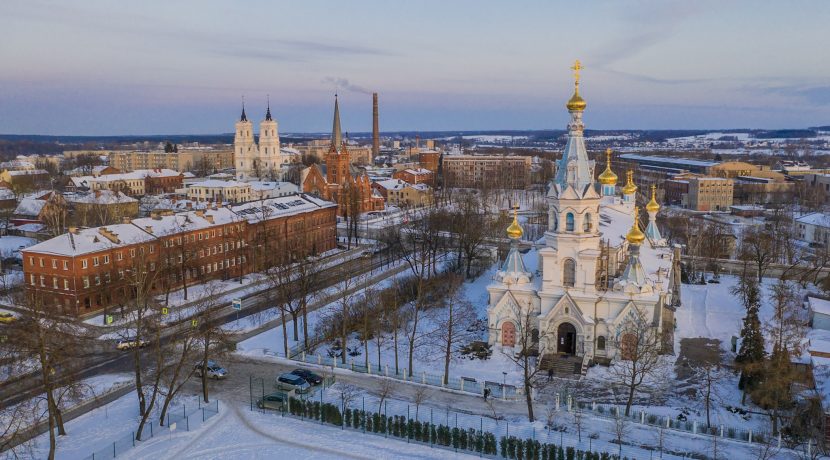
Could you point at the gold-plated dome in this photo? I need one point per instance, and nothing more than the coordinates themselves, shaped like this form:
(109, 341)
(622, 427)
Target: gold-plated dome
(576, 103)
(652, 205)
(515, 231)
(608, 177)
(630, 187)
(635, 235)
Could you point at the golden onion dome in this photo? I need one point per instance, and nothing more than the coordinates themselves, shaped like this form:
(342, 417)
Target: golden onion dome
(515, 231)
(635, 235)
(576, 103)
(652, 205)
(608, 177)
(630, 187)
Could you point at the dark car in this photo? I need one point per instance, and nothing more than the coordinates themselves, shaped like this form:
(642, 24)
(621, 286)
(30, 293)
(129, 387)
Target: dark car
(274, 401)
(308, 376)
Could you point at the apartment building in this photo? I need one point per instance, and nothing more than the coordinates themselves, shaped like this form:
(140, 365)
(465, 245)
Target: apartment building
(480, 171)
(416, 176)
(710, 193)
(91, 269)
(136, 183)
(400, 193)
(220, 191)
(183, 160)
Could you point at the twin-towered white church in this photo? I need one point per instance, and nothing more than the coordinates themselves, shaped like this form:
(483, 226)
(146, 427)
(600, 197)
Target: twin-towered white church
(597, 267)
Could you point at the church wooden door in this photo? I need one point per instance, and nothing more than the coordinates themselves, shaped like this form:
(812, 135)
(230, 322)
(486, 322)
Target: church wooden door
(508, 335)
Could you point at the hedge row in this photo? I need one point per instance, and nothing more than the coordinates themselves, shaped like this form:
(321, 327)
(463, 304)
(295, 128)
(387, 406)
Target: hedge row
(458, 438)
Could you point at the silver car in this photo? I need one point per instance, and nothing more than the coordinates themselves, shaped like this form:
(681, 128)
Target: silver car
(289, 382)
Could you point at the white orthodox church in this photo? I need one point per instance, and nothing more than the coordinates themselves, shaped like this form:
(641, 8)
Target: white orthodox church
(254, 162)
(597, 268)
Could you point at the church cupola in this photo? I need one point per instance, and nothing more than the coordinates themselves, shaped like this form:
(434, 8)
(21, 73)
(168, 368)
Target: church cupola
(634, 279)
(574, 170)
(513, 271)
(652, 232)
(608, 179)
(630, 189)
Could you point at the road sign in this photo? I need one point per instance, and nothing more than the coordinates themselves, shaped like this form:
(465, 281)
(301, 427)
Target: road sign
(237, 304)
(109, 319)
(173, 426)
(194, 322)
(164, 310)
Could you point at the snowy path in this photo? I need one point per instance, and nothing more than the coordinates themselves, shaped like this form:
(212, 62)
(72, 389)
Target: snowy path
(695, 311)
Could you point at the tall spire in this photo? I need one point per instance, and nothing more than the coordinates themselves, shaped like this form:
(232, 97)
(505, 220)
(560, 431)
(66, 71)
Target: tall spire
(336, 135)
(574, 169)
(268, 111)
(243, 117)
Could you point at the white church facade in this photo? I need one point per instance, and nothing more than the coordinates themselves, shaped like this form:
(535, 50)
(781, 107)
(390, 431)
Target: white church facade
(255, 162)
(597, 270)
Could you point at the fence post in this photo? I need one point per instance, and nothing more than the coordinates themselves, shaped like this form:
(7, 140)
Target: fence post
(319, 359)
(387, 370)
(251, 390)
(779, 440)
(429, 429)
(303, 355)
(642, 417)
(113, 450)
(721, 431)
(369, 369)
(594, 406)
(750, 436)
(571, 403)
(133, 438)
(557, 401)
(151, 429)
(694, 427)
(424, 377)
(503, 392)
(668, 421)
(187, 423)
(405, 374)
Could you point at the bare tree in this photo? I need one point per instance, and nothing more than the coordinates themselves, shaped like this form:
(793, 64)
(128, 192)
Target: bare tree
(578, 420)
(422, 394)
(386, 388)
(638, 345)
(524, 354)
(454, 321)
(757, 246)
(620, 429)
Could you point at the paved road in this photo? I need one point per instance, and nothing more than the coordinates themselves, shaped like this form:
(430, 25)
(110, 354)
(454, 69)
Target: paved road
(101, 357)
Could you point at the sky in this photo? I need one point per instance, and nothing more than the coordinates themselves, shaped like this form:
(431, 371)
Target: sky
(90, 67)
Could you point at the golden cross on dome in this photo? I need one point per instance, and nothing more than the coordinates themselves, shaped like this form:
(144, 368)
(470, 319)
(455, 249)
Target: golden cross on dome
(576, 68)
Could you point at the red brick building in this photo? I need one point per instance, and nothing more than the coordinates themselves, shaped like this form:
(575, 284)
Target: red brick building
(90, 269)
(337, 182)
(416, 176)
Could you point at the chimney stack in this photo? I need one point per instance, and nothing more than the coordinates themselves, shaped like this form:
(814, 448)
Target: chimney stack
(375, 127)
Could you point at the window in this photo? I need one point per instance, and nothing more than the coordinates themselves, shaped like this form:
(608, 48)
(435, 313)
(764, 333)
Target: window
(569, 222)
(40, 261)
(106, 259)
(200, 236)
(86, 282)
(586, 223)
(569, 273)
(601, 342)
(132, 252)
(119, 256)
(65, 285)
(83, 263)
(95, 261)
(141, 250)
(121, 274)
(66, 265)
(42, 281)
(54, 263)
(97, 280)
(32, 280)
(152, 249)
(31, 261)
(54, 282)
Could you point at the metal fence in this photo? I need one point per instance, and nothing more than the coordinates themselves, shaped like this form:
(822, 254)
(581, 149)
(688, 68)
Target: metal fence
(406, 416)
(463, 384)
(189, 416)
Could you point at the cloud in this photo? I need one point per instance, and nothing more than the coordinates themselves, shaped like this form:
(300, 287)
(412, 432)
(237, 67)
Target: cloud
(813, 95)
(342, 83)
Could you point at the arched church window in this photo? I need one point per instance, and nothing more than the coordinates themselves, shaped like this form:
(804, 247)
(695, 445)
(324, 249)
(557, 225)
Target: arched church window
(555, 222)
(601, 342)
(569, 222)
(569, 273)
(586, 223)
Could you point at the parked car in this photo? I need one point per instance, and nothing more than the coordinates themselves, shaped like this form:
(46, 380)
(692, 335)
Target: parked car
(366, 254)
(274, 401)
(289, 382)
(214, 371)
(7, 318)
(308, 376)
(131, 342)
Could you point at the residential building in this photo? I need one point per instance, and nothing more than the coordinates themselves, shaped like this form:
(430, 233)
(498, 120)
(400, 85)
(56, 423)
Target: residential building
(819, 314)
(262, 190)
(814, 229)
(710, 194)
(219, 191)
(93, 171)
(25, 179)
(87, 270)
(416, 176)
(186, 159)
(479, 171)
(136, 183)
(429, 159)
(400, 193)
(100, 207)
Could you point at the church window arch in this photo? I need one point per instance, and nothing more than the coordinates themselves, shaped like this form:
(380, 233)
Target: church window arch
(587, 223)
(569, 273)
(569, 222)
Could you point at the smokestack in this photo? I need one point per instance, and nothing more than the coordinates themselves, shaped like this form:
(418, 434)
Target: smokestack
(375, 127)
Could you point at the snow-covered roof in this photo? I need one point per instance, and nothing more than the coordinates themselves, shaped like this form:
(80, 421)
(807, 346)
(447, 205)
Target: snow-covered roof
(100, 197)
(215, 183)
(89, 240)
(29, 228)
(418, 171)
(392, 184)
(30, 207)
(256, 211)
(134, 175)
(28, 172)
(6, 194)
(670, 161)
(262, 186)
(817, 218)
(819, 305)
